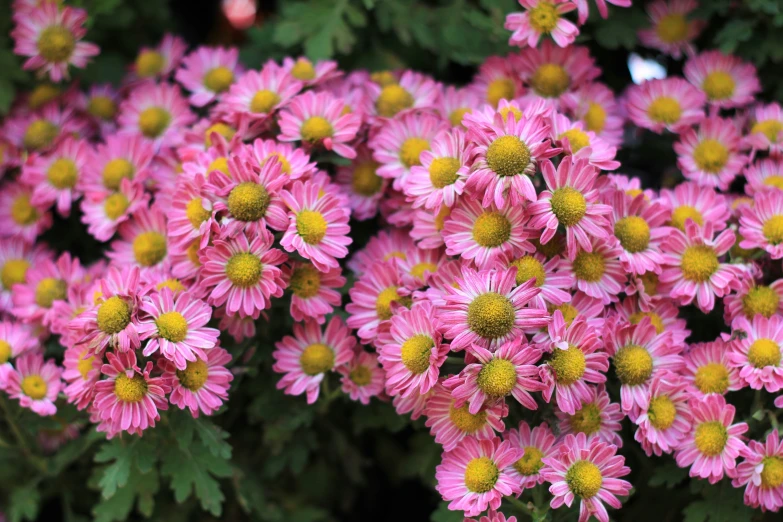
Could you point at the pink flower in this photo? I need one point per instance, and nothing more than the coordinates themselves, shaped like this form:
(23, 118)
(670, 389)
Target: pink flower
(362, 185)
(313, 293)
(552, 72)
(440, 178)
(549, 276)
(202, 386)
(56, 176)
(765, 174)
(374, 298)
(582, 143)
(34, 383)
(667, 419)
(497, 79)
(671, 31)
(19, 217)
(594, 104)
(766, 131)
(671, 104)
(160, 61)
(143, 239)
(81, 370)
(638, 226)
(708, 370)
(362, 377)
(207, 72)
(752, 299)
(46, 284)
(710, 155)
(16, 258)
(761, 225)
(761, 473)
(311, 74)
(259, 94)
(156, 111)
(540, 18)
(699, 204)
(413, 91)
(727, 81)
(599, 272)
(758, 353)
(584, 8)
(598, 417)
(538, 444)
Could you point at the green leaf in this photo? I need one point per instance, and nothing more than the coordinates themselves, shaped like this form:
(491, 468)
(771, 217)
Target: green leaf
(139, 489)
(196, 469)
(668, 475)
(124, 455)
(721, 503)
(24, 503)
(620, 29)
(735, 31)
(443, 514)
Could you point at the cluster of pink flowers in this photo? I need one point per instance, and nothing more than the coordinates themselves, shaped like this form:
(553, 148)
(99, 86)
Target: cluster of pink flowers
(511, 270)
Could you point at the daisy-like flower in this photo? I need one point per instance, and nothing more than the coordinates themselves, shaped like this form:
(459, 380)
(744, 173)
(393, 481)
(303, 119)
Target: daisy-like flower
(549, 277)
(476, 474)
(694, 269)
(456, 103)
(258, 94)
(494, 516)
(598, 417)
(318, 226)
(103, 212)
(450, 424)
(55, 177)
(16, 258)
(667, 419)
(120, 157)
(574, 361)
(318, 120)
(538, 444)
(440, 179)
(129, 398)
(663, 315)
(752, 299)
(143, 240)
(764, 174)
(638, 226)
(594, 105)
(362, 184)
(699, 204)
(486, 235)
(373, 299)
(761, 225)
(588, 470)
(295, 163)
(81, 371)
(156, 111)
(552, 71)
(385, 246)
(15, 340)
(207, 72)
(34, 383)
(39, 130)
(176, 326)
(189, 211)
(19, 217)
(709, 371)
(766, 130)
(671, 31)
(571, 201)
(762, 473)
(202, 386)
(497, 79)
(46, 284)
(540, 18)
(51, 36)
(506, 155)
(510, 370)
(487, 310)
(584, 7)
(362, 377)
(412, 350)
(727, 81)
(313, 293)
(710, 154)
(670, 104)
(581, 143)
(713, 444)
(160, 61)
(243, 274)
(599, 273)
(758, 354)
(412, 91)
(311, 73)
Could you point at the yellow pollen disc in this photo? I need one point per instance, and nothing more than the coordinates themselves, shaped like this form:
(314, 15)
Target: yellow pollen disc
(264, 101)
(770, 128)
(172, 284)
(149, 248)
(634, 192)
(633, 364)
(393, 99)
(633, 233)
(218, 79)
(497, 378)
(34, 387)
(62, 174)
(683, 213)
(220, 164)
(102, 107)
(662, 412)
(711, 437)
(589, 266)
(172, 326)
(130, 390)
(14, 271)
(530, 463)
(650, 282)
(364, 180)
(56, 44)
(196, 213)
(711, 156)
(491, 229)
(411, 149)
(664, 109)
(508, 156)
(248, 201)
(774, 180)
(699, 262)
(316, 359)
(153, 121)
(491, 315)
(568, 205)
(395, 255)
(441, 216)
(569, 312)
(577, 139)
(500, 89)
(584, 479)
(303, 70)
(149, 63)
(194, 376)
(50, 290)
(115, 171)
(481, 474)
(528, 267)
(544, 17)
(443, 171)
(114, 314)
(305, 281)
(384, 301)
(569, 365)
(415, 353)
(244, 269)
(192, 253)
(315, 129)
(84, 366)
(42, 94)
(40, 134)
(5, 351)
(455, 118)
(222, 129)
(761, 300)
(773, 229)
(655, 320)
(672, 28)
(311, 226)
(510, 109)
(22, 211)
(550, 80)
(285, 165)
(419, 270)
(587, 420)
(712, 378)
(360, 376)
(764, 352)
(464, 421)
(718, 85)
(772, 474)
(595, 117)
(116, 205)
(383, 78)
(552, 248)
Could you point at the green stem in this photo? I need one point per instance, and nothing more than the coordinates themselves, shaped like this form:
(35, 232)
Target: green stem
(520, 506)
(21, 440)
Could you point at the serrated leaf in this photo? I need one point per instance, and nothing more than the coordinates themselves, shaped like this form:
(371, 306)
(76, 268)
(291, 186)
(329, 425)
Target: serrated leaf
(195, 470)
(668, 475)
(124, 455)
(24, 503)
(733, 33)
(444, 514)
(139, 489)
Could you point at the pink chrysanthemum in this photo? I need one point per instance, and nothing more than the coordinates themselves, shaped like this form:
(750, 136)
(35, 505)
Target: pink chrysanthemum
(56, 176)
(752, 299)
(762, 473)
(594, 104)
(207, 72)
(667, 419)
(156, 111)
(709, 371)
(497, 79)
(19, 217)
(758, 353)
(581, 143)
(669, 104)
(143, 239)
(713, 444)
(639, 228)
(764, 174)
(202, 387)
(120, 157)
(34, 383)
(440, 179)
(361, 183)
(16, 258)
(584, 7)
(313, 293)
(310, 73)
(552, 71)
(549, 275)
(727, 81)
(663, 315)
(493, 516)
(362, 377)
(189, 212)
(103, 212)
(699, 204)
(599, 273)
(413, 91)
(38, 131)
(761, 225)
(160, 61)
(671, 31)
(81, 371)
(374, 298)
(538, 444)
(295, 162)
(766, 129)
(259, 94)
(597, 417)
(456, 103)
(710, 154)
(47, 283)
(540, 18)
(15, 340)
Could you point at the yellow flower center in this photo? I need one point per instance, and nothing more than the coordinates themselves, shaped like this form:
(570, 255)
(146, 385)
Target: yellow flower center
(508, 156)
(42, 94)
(491, 229)
(712, 378)
(584, 479)
(303, 70)
(172, 326)
(415, 353)
(40, 134)
(633, 233)
(114, 314)
(393, 99)
(285, 165)
(587, 420)
(149, 248)
(481, 474)
(655, 320)
(672, 28)
(315, 129)
(220, 164)
(577, 139)
(761, 300)
(711, 156)
(84, 366)
(218, 79)
(650, 282)
(550, 80)
(665, 109)
(411, 149)
(544, 17)
(773, 229)
(633, 364)
(420, 269)
(595, 117)
(440, 217)
(34, 387)
(360, 376)
(5, 351)
(528, 267)
(194, 375)
(192, 253)
(364, 180)
(497, 378)
(244, 269)
(464, 421)
(385, 299)
(311, 226)
(718, 85)
(772, 473)
(683, 213)
(102, 107)
(56, 44)
(711, 437)
(569, 312)
(62, 173)
(455, 118)
(662, 412)
(530, 463)
(383, 78)
(153, 121)
(49, 290)
(196, 213)
(305, 281)
(443, 171)
(764, 352)
(248, 201)
(699, 262)
(500, 89)
(222, 129)
(115, 171)
(316, 359)
(774, 181)
(569, 365)
(149, 63)
(172, 284)
(116, 205)
(264, 101)
(132, 389)
(568, 205)
(770, 128)
(589, 266)
(22, 211)
(510, 109)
